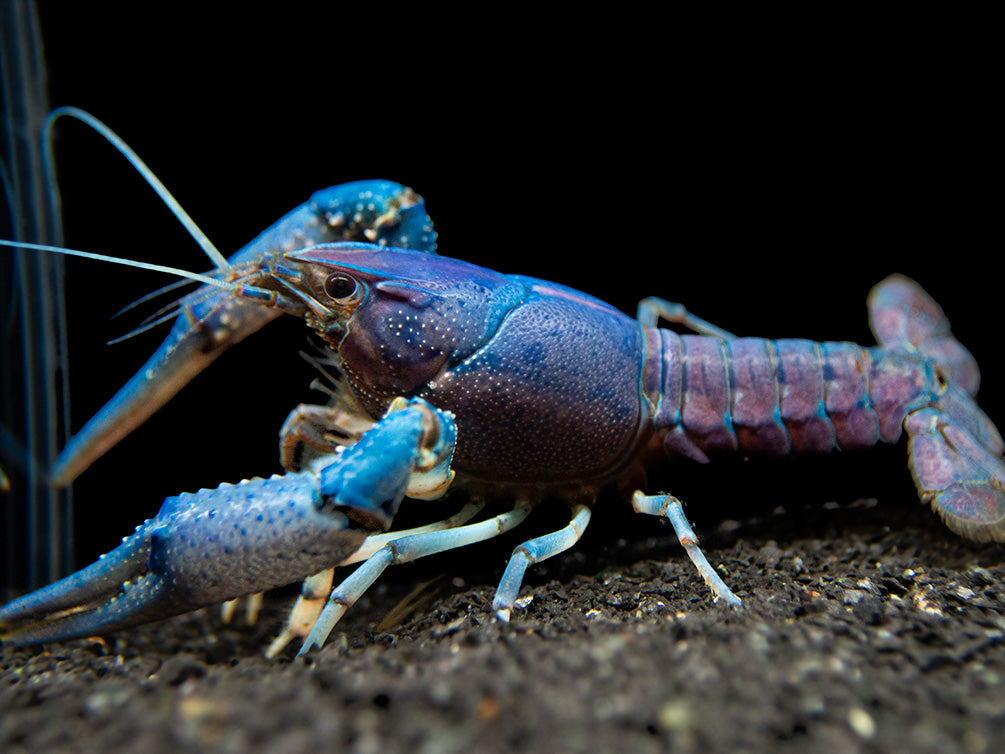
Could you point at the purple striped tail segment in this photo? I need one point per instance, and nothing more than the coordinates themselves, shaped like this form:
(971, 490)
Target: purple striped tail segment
(776, 397)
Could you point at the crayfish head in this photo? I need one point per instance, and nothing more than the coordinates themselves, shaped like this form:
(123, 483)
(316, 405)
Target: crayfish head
(397, 318)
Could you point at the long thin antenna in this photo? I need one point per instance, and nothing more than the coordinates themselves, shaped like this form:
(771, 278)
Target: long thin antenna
(128, 262)
(75, 112)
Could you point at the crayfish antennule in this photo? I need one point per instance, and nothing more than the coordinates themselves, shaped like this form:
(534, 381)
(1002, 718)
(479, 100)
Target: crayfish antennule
(197, 277)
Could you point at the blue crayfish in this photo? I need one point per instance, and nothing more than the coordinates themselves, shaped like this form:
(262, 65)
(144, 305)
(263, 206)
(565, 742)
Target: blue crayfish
(445, 367)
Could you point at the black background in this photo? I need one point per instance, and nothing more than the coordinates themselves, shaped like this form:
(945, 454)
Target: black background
(766, 187)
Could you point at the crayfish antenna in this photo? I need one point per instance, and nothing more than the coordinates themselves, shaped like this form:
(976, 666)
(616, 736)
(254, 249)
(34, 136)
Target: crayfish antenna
(141, 167)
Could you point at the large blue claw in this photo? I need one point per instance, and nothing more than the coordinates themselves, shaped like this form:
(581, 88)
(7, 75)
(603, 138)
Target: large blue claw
(211, 320)
(201, 548)
(215, 545)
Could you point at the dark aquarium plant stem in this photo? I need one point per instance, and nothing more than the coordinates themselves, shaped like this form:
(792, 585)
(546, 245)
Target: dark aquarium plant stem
(34, 410)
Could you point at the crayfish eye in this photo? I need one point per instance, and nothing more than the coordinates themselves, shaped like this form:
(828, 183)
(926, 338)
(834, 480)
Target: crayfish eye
(340, 286)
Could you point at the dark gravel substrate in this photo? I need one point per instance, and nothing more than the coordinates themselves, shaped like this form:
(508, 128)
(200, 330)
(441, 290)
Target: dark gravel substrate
(865, 627)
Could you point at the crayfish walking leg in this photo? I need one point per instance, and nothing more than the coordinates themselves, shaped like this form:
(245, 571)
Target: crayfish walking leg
(534, 551)
(669, 507)
(316, 589)
(403, 550)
